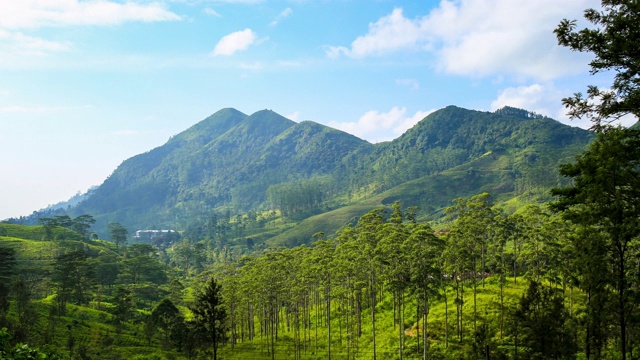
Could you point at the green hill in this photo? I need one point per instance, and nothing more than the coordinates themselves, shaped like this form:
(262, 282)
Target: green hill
(231, 163)
(511, 154)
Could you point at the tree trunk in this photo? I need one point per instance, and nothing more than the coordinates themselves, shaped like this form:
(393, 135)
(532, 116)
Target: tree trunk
(501, 308)
(621, 304)
(400, 324)
(359, 311)
(373, 319)
(418, 317)
(328, 325)
(446, 318)
(425, 335)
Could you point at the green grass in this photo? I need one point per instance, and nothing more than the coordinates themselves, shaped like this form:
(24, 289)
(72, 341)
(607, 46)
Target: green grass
(33, 251)
(328, 222)
(37, 232)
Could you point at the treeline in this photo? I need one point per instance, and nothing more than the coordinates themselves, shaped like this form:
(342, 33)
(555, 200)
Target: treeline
(328, 297)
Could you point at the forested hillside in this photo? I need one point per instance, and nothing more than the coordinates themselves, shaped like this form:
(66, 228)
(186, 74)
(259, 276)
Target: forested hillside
(231, 164)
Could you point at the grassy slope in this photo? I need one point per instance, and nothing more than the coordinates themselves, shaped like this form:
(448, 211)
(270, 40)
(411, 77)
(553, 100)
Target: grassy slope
(37, 232)
(91, 326)
(489, 173)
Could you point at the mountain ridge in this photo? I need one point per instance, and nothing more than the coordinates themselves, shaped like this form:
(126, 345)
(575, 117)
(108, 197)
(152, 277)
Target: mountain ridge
(229, 161)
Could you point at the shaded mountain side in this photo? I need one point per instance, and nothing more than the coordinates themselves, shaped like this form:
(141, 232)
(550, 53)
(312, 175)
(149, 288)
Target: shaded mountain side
(139, 182)
(227, 160)
(311, 148)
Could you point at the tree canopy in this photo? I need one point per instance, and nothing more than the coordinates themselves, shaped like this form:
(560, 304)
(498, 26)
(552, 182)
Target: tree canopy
(614, 43)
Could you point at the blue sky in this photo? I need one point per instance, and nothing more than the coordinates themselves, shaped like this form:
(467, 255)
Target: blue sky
(87, 84)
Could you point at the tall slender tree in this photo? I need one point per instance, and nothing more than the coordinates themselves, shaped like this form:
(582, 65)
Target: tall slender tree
(424, 249)
(367, 229)
(211, 314)
(118, 234)
(605, 197)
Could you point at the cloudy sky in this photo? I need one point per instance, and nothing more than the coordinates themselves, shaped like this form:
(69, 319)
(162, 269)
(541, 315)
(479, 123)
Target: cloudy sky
(85, 84)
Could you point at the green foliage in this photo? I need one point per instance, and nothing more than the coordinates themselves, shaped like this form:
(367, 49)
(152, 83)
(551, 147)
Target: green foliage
(541, 325)
(210, 314)
(382, 284)
(19, 351)
(300, 196)
(605, 198)
(7, 263)
(38, 232)
(167, 318)
(372, 277)
(73, 278)
(118, 234)
(141, 265)
(613, 42)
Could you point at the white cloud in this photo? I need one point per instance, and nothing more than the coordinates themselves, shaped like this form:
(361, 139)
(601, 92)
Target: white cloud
(376, 126)
(479, 37)
(542, 99)
(484, 37)
(256, 66)
(335, 52)
(391, 33)
(533, 98)
(284, 14)
(31, 45)
(212, 12)
(31, 14)
(237, 41)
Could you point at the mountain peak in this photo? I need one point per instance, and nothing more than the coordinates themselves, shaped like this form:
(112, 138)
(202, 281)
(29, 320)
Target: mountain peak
(519, 113)
(211, 127)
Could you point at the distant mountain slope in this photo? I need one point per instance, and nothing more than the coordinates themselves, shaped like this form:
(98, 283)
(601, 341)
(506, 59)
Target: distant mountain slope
(229, 161)
(453, 136)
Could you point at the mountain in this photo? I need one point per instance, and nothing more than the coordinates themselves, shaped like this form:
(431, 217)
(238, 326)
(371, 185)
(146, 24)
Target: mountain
(228, 159)
(232, 163)
(71, 202)
(512, 154)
